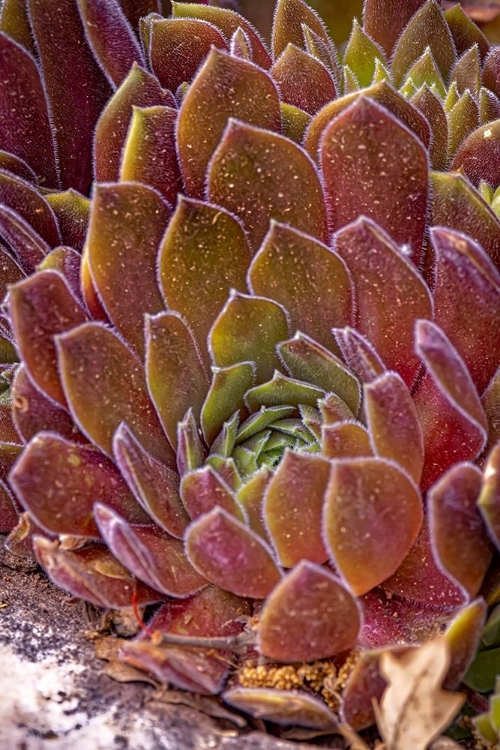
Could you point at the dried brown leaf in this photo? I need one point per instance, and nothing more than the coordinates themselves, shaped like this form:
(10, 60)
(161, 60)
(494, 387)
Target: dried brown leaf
(414, 709)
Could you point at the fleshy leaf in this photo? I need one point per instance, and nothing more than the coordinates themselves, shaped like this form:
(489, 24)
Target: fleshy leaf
(249, 160)
(33, 412)
(459, 538)
(178, 46)
(463, 118)
(26, 130)
(462, 268)
(308, 616)
(289, 19)
(149, 154)
(393, 423)
(41, 307)
(479, 155)
(78, 477)
(248, 329)
(204, 489)
(467, 71)
(92, 574)
(382, 93)
(369, 500)
(489, 106)
(230, 555)
(175, 375)
(489, 498)
(251, 498)
(491, 70)
(456, 204)
(384, 20)
(345, 440)
(282, 390)
(248, 93)
(191, 452)
(212, 241)
(303, 80)
(429, 104)
(359, 354)
(361, 54)
(464, 636)
(294, 122)
(139, 89)
(388, 160)
(427, 28)
(310, 362)
(154, 485)
(451, 416)
(228, 21)
(149, 553)
(381, 272)
(464, 31)
(72, 212)
(111, 38)
(15, 23)
(60, 36)
(307, 278)
(92, 353)
(293, 508)
(23, 198)
(364, 684)
(225, 397)
(126, 225)
(283, 707)
(425, 71)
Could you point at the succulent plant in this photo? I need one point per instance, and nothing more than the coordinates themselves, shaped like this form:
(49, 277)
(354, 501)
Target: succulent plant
(258, 380)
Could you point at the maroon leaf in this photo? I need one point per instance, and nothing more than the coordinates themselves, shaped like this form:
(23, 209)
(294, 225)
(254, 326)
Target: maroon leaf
(149, 553)
(110, 37)
(359, 354)
(32, 412)
(303, 80)
(249, 160)
(26, 130)
(204, 489)
(91, 354)
(289, 20)
(175, 375)
(60, 36)
(228, 22)
(369, 500)
(72, 213)
(293, 508)
(308, 616)
(248, 93)
(366, 145)
(463, 268)
(231, 556)
(308, 279)
(92, 574)
(139, 89)
(23, 198)
(384, 20)
(40, 307)
(178, 46)
(479, 155)
(393, 423)
(460, 542)
(381, 272)
(464, 31)
(154, 485)
(430, 105)
(345, 440)
(78, 477)
(126, 225)
(451, 416)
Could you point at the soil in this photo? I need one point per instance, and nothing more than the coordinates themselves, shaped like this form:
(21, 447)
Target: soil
(54, 693)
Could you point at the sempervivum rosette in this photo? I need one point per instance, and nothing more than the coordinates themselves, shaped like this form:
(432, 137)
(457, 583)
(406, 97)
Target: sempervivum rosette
(266, 390)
